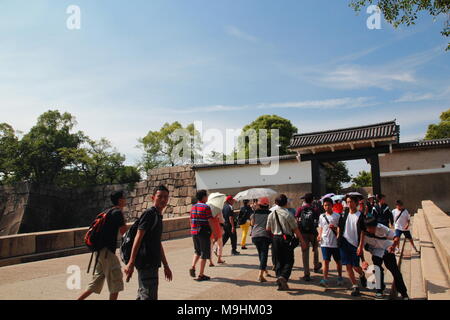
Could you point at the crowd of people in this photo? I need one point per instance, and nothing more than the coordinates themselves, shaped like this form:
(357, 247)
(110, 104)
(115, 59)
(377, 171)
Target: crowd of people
(342, 228)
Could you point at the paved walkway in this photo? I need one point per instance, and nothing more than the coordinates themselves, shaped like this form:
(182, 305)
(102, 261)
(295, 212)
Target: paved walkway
(46, 280)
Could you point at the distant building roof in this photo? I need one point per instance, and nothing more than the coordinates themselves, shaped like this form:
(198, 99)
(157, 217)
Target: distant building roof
(246, 162)
(369, 132)
(423, 144)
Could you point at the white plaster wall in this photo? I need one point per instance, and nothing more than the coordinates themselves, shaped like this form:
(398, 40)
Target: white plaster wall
(289, 172)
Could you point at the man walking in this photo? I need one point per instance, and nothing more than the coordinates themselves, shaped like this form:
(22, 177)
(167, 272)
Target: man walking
(201, 230)
(401, 222)
(351, 238)
(328, 224)
(308, 219)
(108, 265)
(147, 245)
(230, 225)
(244, 222)
(283, 226)
(381, 211)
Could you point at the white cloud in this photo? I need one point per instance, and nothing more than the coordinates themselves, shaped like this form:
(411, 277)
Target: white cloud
(386, 76)
(236, 32)
(416, 97)
(336, 103)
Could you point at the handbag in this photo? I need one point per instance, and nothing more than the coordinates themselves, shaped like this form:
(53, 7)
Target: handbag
(291, 241)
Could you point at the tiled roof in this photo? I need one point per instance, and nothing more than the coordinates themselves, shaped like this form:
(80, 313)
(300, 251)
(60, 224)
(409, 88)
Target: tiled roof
(424, 144)
(247, 161)
(374, 131)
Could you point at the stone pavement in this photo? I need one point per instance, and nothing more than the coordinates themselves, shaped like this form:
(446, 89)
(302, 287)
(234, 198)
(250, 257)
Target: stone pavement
(46, 280)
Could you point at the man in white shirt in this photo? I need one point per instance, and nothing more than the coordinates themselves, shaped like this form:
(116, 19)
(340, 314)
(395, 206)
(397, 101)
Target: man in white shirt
(351, 238)
(401, 222)
(328, 223)
(381, 242)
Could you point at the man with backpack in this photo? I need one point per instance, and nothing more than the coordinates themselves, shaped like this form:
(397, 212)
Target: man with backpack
(244, 222)
(381, 211)
(350, 241)
(102, 240)
(147, 252)
(308, 220)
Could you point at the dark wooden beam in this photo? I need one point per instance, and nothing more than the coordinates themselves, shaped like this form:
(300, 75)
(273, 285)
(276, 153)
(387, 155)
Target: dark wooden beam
(345, 154)
(375, 169)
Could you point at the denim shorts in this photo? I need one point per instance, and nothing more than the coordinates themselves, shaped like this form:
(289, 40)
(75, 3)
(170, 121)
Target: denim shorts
(348, 254)
(398, 233)
(327, 253)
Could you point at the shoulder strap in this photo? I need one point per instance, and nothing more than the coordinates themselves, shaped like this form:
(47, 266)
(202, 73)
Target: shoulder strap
(278, 222)
(400, 214)
(325, 217)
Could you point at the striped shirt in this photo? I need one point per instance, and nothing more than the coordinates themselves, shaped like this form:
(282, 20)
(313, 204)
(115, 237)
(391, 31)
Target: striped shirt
(200, 214)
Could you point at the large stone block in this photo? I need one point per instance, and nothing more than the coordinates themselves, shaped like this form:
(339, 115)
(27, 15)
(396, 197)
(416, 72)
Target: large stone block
(17, 245)
(79, 235)
(54, 240)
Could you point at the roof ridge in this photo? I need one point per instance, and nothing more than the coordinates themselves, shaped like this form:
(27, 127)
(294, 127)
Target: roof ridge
(345, 129)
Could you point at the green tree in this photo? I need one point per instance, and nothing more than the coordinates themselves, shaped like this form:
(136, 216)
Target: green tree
(171, 145)
(248, 141)
(440, 130)
(336, 175)
(405, 12)
(40, 150)
(9, 143)
(363, 179)
(95, 163)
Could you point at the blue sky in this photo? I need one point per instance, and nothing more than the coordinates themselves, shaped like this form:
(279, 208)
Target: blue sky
(135, 65)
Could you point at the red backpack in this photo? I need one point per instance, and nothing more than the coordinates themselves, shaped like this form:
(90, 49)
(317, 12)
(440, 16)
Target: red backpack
(94, 239)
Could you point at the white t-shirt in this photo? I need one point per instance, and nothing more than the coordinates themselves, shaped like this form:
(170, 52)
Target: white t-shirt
(351, 228)
(377, 247)
(402, 222)
(329, 239)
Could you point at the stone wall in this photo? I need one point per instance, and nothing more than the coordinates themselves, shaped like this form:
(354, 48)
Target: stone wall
(29, 207)
(13, 202)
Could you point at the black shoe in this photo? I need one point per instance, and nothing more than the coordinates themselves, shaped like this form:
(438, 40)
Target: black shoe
(318, 267)
(306, 278)
(355, 292)
(363, 281)
(192, 273)
(235, 253)
(244, 248)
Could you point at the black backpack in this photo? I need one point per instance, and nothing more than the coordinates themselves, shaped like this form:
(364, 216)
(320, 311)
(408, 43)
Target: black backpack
(126, 245)
(307, 220)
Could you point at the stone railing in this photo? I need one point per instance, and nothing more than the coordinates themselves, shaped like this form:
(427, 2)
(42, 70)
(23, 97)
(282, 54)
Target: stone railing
(438, 224)
(28, 247)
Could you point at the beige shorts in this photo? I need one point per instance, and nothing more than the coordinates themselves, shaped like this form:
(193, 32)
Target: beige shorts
(108, 266)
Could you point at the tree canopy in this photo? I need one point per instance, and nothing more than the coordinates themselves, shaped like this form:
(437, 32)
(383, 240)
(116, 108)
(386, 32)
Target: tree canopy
(172, 145)
(363, 179)
(406, 12)
(440, 130)
(248, 142)
(336, 175)
(53, 153)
